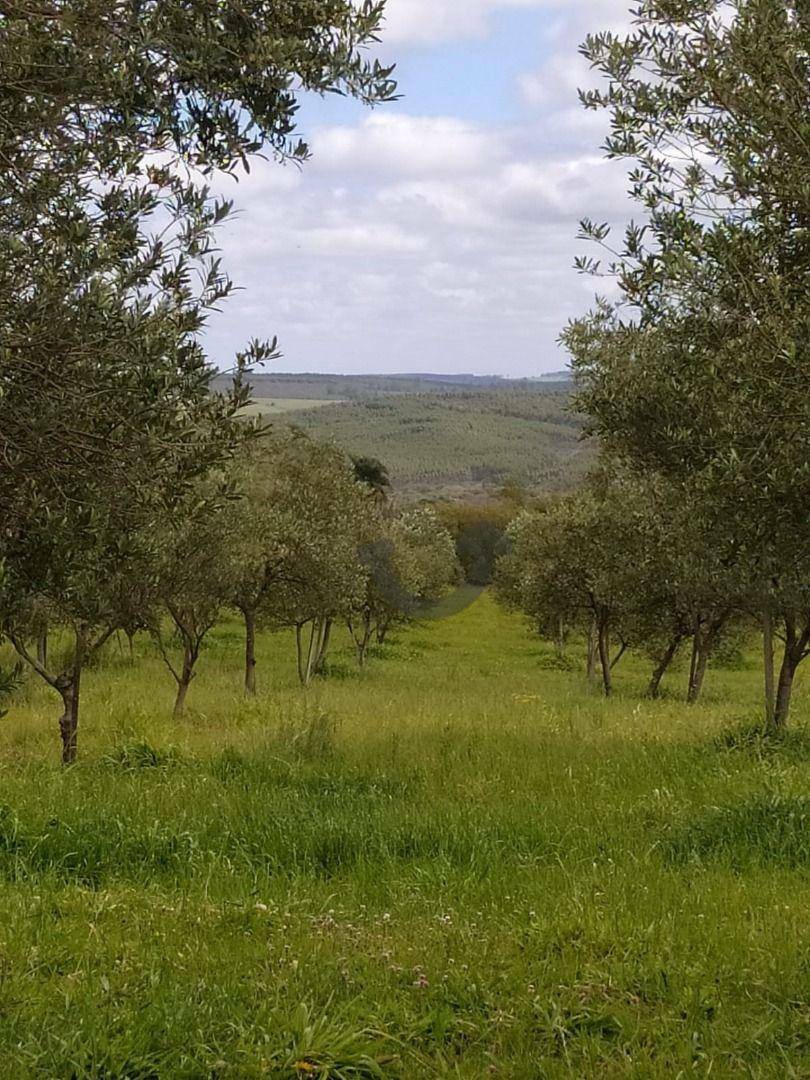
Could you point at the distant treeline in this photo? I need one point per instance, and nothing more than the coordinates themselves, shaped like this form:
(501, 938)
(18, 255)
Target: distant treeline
(350, 387)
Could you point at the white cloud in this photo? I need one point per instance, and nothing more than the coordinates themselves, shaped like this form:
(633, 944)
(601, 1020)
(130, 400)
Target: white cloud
(430, 21)
(431, 242)
(403, 146)
(421, 22)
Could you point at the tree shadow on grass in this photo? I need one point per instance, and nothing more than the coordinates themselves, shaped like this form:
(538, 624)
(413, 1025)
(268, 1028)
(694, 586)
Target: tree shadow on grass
(753, 739)
(763, 831)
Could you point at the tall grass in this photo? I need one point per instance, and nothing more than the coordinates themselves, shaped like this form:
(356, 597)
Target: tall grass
(457, 863)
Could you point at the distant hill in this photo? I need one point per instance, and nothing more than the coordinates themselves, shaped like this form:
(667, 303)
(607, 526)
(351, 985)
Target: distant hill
(462, 444)
(283, 386)
(455, 436)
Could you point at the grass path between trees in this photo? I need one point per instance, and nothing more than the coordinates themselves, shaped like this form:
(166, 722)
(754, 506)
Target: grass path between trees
(461, 862)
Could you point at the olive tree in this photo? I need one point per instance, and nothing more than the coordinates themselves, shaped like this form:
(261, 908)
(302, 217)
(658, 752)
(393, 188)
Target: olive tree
(193, 584)
(410, 563)
(700, 371)
(309, 533)
(572, 563)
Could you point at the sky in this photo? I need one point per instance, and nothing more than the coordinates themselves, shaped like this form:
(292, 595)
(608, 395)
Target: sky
(438, 232)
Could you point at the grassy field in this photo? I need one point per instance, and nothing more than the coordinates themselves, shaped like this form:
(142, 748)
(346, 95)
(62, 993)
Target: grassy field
(459, 863)
(270, 407)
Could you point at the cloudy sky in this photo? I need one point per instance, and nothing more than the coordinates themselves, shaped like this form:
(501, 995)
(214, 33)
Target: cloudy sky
(436, 233)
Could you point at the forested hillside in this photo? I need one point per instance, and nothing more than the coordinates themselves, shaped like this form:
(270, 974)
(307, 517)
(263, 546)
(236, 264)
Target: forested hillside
(459, 443)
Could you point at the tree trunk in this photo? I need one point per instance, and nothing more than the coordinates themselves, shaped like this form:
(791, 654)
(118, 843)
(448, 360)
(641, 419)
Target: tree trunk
(306, 657)
(363, 642)
(183, 683)
(314, 636)
(180, 698)
(654, 689)
(323, 647)
(42, 649)
(768, 658)
(68, 688)
(559, 638)
(592, 639)
(796, 649)
(604, 655)
(784, 690)
(625, 645)
(382, 631)
(700, 660)
(299, 651)
(250, 651)
(67, 684)
(705, 640)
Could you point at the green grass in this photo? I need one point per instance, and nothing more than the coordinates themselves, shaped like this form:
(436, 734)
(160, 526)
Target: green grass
(459, 863)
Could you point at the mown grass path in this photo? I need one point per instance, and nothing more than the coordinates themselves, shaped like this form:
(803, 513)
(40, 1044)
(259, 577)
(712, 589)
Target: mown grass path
(459, 863)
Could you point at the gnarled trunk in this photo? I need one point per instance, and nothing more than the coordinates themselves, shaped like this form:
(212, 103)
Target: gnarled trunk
(661, 668)
(68, 688)
(797, 645)
(67, 683)
(184, 681)
(784, 691)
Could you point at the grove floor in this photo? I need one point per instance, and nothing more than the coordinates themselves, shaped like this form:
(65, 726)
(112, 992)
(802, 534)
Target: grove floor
(459, 862)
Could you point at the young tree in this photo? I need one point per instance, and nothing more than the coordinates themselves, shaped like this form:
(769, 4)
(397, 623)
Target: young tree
(410, 563)
(193, 583)
(84, 594)
(574, 563)
(313, 506)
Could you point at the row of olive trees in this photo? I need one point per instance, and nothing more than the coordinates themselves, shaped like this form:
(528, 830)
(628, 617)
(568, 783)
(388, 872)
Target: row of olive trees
(695, 377)
(629, 564)
(302, 541)
(114, 116)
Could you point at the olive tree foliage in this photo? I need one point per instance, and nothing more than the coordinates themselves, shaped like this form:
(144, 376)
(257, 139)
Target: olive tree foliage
(106, 106)
(571, 564)
(699, 372)
(629, 561)
(112, 114)
(410, 562)
(310, 508)
(193, 574)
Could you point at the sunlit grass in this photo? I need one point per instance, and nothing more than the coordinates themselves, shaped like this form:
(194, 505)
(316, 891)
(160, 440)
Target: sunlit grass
(459, 862)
